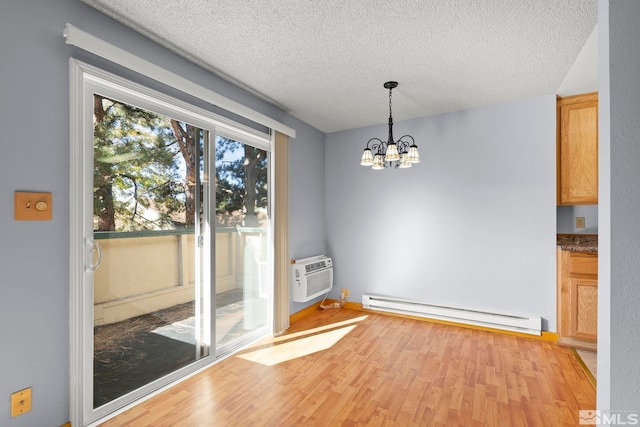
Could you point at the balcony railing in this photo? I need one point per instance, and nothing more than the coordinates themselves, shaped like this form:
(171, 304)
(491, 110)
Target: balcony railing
(146, 271)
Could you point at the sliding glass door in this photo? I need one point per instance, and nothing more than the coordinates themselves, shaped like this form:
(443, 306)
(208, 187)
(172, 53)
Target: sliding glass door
(150, 234)
(172, 249)
(242, 242)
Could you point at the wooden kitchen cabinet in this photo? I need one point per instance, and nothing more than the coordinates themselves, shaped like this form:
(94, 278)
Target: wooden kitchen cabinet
(583, 317)
(578, 299)
(577, 149)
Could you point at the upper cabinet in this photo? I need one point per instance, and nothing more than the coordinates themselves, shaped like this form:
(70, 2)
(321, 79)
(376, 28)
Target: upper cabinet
(577, 154)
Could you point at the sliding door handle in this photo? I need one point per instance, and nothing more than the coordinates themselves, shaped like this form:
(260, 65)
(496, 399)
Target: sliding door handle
(93, 247)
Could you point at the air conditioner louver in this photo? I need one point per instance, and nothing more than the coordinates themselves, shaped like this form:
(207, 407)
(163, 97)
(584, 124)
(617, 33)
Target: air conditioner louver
(311, 277)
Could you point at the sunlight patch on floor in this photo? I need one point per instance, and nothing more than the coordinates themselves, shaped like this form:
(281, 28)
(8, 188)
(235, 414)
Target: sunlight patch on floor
(228, 318)
(298, 347)
(287, 337)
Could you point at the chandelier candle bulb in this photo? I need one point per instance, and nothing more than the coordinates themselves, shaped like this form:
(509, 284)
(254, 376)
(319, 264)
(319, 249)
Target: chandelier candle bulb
(399, 154)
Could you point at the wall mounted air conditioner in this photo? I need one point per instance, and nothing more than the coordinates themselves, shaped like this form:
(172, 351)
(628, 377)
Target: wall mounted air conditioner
(311, 277)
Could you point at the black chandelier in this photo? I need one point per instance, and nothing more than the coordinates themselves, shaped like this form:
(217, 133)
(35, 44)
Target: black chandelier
(400, 154)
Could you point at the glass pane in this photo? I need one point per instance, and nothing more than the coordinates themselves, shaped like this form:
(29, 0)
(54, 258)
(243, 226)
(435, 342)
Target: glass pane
(149, 221)
(242, 227)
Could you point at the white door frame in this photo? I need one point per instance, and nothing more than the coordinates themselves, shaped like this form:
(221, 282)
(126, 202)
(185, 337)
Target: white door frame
(86, 79)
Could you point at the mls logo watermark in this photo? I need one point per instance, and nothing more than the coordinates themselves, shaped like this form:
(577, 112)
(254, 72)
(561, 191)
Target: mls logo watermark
(609, 418)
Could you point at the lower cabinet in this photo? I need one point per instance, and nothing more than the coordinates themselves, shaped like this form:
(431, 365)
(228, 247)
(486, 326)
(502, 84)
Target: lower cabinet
(578, 299)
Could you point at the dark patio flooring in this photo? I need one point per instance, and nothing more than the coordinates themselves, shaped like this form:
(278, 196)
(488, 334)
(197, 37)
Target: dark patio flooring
(134, 352)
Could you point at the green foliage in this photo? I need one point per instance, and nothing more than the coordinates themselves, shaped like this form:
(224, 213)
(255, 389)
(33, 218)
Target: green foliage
(241, 182)
(137, 180)
(145, 166)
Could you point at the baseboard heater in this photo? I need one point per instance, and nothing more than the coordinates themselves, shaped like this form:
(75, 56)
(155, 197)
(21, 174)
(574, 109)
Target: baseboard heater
(506, 321)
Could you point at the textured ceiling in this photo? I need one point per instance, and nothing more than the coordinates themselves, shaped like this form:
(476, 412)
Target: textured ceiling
(325, 61)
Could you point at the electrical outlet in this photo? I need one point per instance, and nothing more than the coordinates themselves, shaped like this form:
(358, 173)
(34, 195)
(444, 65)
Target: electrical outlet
(20, 402)
(345, 293)
(579, 222)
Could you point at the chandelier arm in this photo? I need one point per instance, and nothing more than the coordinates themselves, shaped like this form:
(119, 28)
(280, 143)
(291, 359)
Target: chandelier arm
(413, 141)
(375, 146)
(403, 146)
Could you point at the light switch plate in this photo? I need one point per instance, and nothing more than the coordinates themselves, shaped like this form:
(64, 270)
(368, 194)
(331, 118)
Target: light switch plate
(21, 402)
(579, 222)
(32, 206)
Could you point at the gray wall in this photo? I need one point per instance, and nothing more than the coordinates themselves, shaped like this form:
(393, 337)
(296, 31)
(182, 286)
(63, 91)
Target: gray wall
(566, 219)
(473, 224)
(307, 229)
(34, 118)
(619, 238)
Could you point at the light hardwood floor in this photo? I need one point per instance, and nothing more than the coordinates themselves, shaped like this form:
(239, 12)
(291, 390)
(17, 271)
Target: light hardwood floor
(351, 368)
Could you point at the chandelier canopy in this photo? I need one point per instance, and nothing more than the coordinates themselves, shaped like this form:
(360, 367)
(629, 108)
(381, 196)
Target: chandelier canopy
(400, 154)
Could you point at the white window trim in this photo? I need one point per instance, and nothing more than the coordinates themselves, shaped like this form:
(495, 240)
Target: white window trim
(146, 98)
(76, 37)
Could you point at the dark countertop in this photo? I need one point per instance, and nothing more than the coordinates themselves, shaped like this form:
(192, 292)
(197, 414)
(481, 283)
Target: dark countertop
(578, 242)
